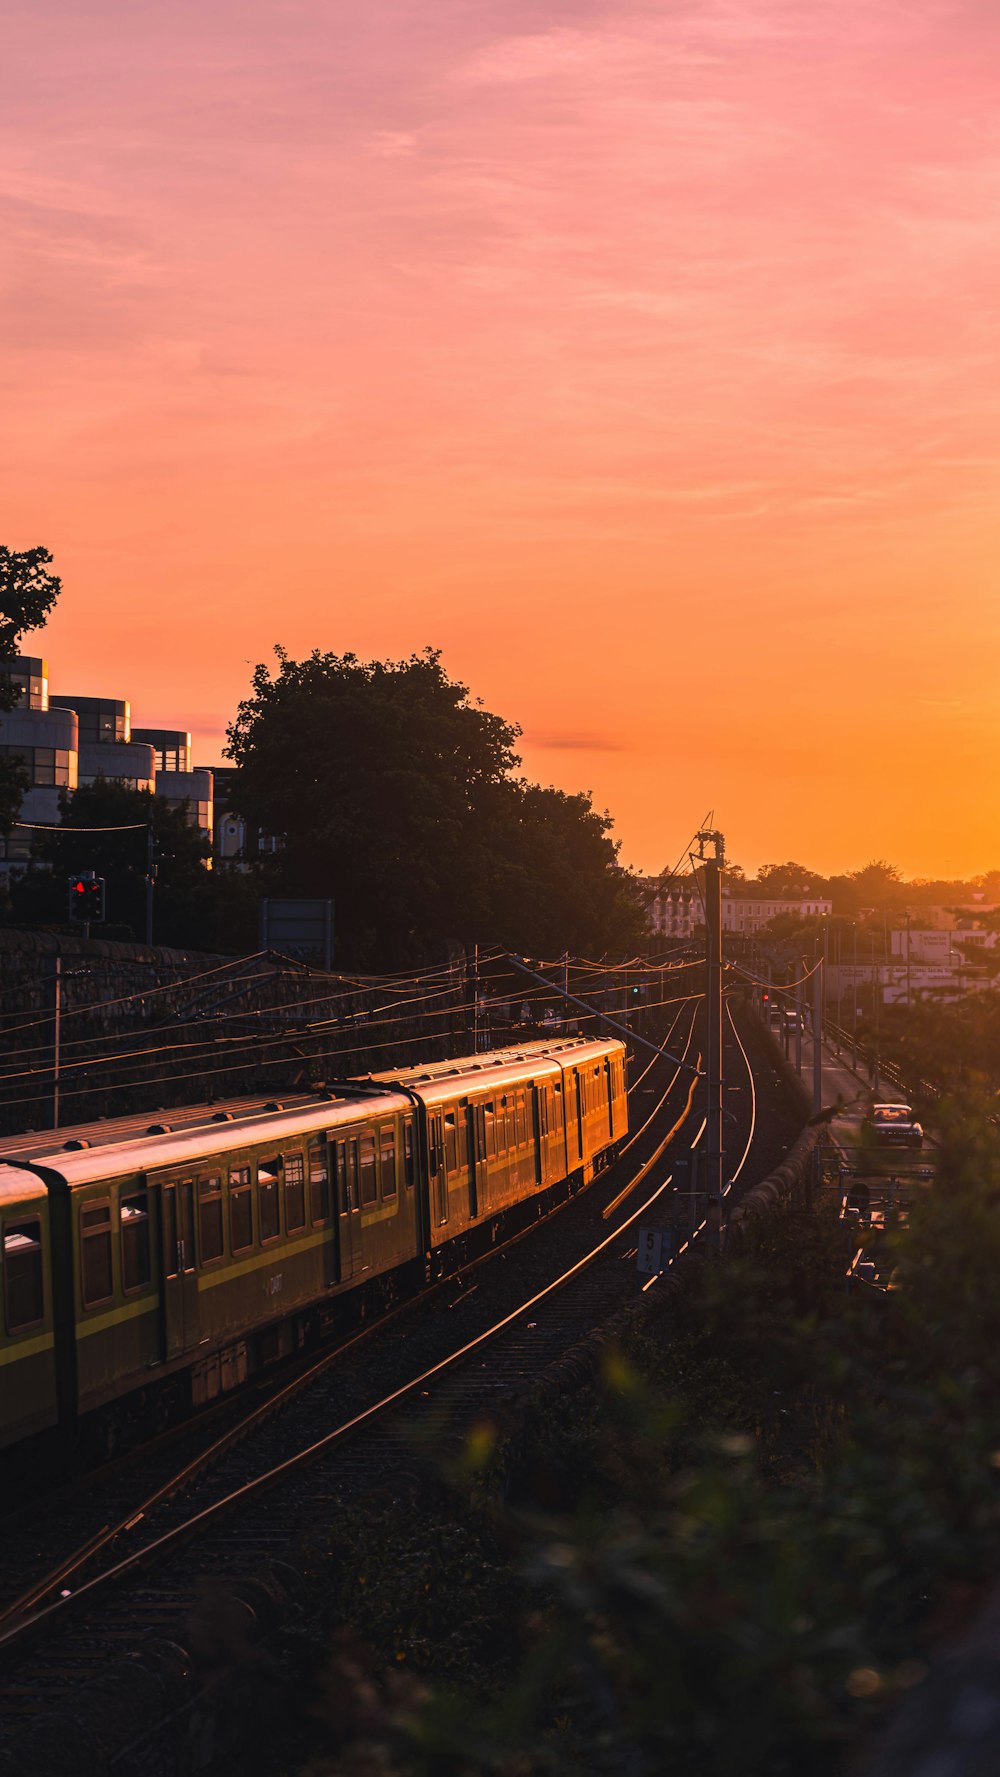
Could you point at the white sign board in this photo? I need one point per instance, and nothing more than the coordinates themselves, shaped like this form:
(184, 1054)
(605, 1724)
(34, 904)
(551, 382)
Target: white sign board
(654, 1251)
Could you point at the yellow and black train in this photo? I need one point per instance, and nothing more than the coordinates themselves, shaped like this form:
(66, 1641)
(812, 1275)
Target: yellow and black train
(146, 1268)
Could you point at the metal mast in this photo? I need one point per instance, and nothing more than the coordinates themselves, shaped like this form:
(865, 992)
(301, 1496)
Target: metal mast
(713, 867)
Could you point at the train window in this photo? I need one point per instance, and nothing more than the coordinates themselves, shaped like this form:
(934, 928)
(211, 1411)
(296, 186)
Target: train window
(340, 1160)
(521, 1111)
(95, 1252)
(369, 1188)
(240, 1209)
(295, 1193)
(134, 1215)
(319, 1183)
(543, 1111)
(22, 1275)
(387, 1162)
(268, 1210)
(450, 1142)
(489, 1118)
(408, 1154)
(210, 1235)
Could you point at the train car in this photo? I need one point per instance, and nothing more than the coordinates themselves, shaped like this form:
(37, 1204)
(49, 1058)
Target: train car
(149, 1267)
(508, 1126)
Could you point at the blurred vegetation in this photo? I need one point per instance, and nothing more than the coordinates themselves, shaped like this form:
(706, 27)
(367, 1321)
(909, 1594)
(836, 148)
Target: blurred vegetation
(726, 1553)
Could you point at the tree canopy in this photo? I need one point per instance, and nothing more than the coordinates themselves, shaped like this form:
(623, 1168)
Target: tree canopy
(394, 793)
(27, 594)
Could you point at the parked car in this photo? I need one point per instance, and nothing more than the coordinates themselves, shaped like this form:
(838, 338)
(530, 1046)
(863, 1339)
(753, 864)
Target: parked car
(894, 1126)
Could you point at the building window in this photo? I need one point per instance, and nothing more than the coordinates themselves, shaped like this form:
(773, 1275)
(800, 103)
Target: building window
(45, 766)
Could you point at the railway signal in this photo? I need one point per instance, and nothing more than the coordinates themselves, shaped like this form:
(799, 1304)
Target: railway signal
(86, 898)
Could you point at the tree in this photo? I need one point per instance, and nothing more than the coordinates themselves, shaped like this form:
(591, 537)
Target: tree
(787, 882)
(185, 891)
(557, 884)
(393, 793)
(27, 594)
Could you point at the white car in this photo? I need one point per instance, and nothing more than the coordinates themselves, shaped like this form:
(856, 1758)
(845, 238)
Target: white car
(895, 1126)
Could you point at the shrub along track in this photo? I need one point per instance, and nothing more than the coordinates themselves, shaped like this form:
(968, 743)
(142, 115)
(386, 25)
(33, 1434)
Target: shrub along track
(162, 1603)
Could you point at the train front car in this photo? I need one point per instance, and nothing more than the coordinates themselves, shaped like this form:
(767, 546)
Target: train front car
(148, 1268)
(27, 1340)
(511, 1128)
(185, 1257)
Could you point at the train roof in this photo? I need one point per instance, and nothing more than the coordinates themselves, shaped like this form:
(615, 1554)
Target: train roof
(18, 1189)
(438, 1080)
(155, 1141)
(189, 1134)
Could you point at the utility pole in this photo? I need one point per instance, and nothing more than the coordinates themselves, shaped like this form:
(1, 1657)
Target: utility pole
(150, 879)
(877, 998)
(819, 986)
(854, 1001)
(713, 1001)
(799, 1008)
(55, 980)
(814, 1175)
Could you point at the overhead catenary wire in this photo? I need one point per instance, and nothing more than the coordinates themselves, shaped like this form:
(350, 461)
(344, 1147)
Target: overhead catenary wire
(356, 1021)
(243, 1043)
(360, 984)
(457, 984)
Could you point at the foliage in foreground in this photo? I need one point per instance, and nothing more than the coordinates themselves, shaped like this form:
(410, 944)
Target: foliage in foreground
(724, 1556)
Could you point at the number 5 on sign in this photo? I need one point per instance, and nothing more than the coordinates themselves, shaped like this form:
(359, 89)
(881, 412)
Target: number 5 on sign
(650, 1249)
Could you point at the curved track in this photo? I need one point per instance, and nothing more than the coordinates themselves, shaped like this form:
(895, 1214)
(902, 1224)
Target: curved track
(568, 1275)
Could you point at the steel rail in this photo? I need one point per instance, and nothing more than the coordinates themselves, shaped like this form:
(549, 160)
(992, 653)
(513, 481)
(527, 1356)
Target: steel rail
(26, 1625)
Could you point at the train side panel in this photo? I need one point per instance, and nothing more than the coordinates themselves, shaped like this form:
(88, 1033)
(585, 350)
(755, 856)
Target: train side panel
(27, 1341)
(183, 1269)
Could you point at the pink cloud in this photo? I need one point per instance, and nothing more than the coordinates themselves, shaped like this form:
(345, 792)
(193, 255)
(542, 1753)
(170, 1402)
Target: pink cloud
(584, 321)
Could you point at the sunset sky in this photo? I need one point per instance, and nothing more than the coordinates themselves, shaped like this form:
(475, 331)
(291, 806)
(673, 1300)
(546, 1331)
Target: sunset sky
(646, 359)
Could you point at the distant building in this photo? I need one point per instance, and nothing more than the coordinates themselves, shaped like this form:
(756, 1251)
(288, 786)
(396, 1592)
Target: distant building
(46, 742)
(67, 739)
(235, 842)
(743, 913)
(172, 747)
(674, 906)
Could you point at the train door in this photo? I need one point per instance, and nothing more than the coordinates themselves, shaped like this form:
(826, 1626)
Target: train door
(539, 1131)
(181, 1319)
(579, 1089)
(475, 1146)
(436, 1169)
(349, 1244)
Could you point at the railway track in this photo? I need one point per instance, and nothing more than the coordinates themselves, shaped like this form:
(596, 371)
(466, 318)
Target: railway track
(246, 1501)
(132, 1487)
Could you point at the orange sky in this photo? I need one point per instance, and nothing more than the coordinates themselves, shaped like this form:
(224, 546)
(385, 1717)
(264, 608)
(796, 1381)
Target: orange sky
(645, 359)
